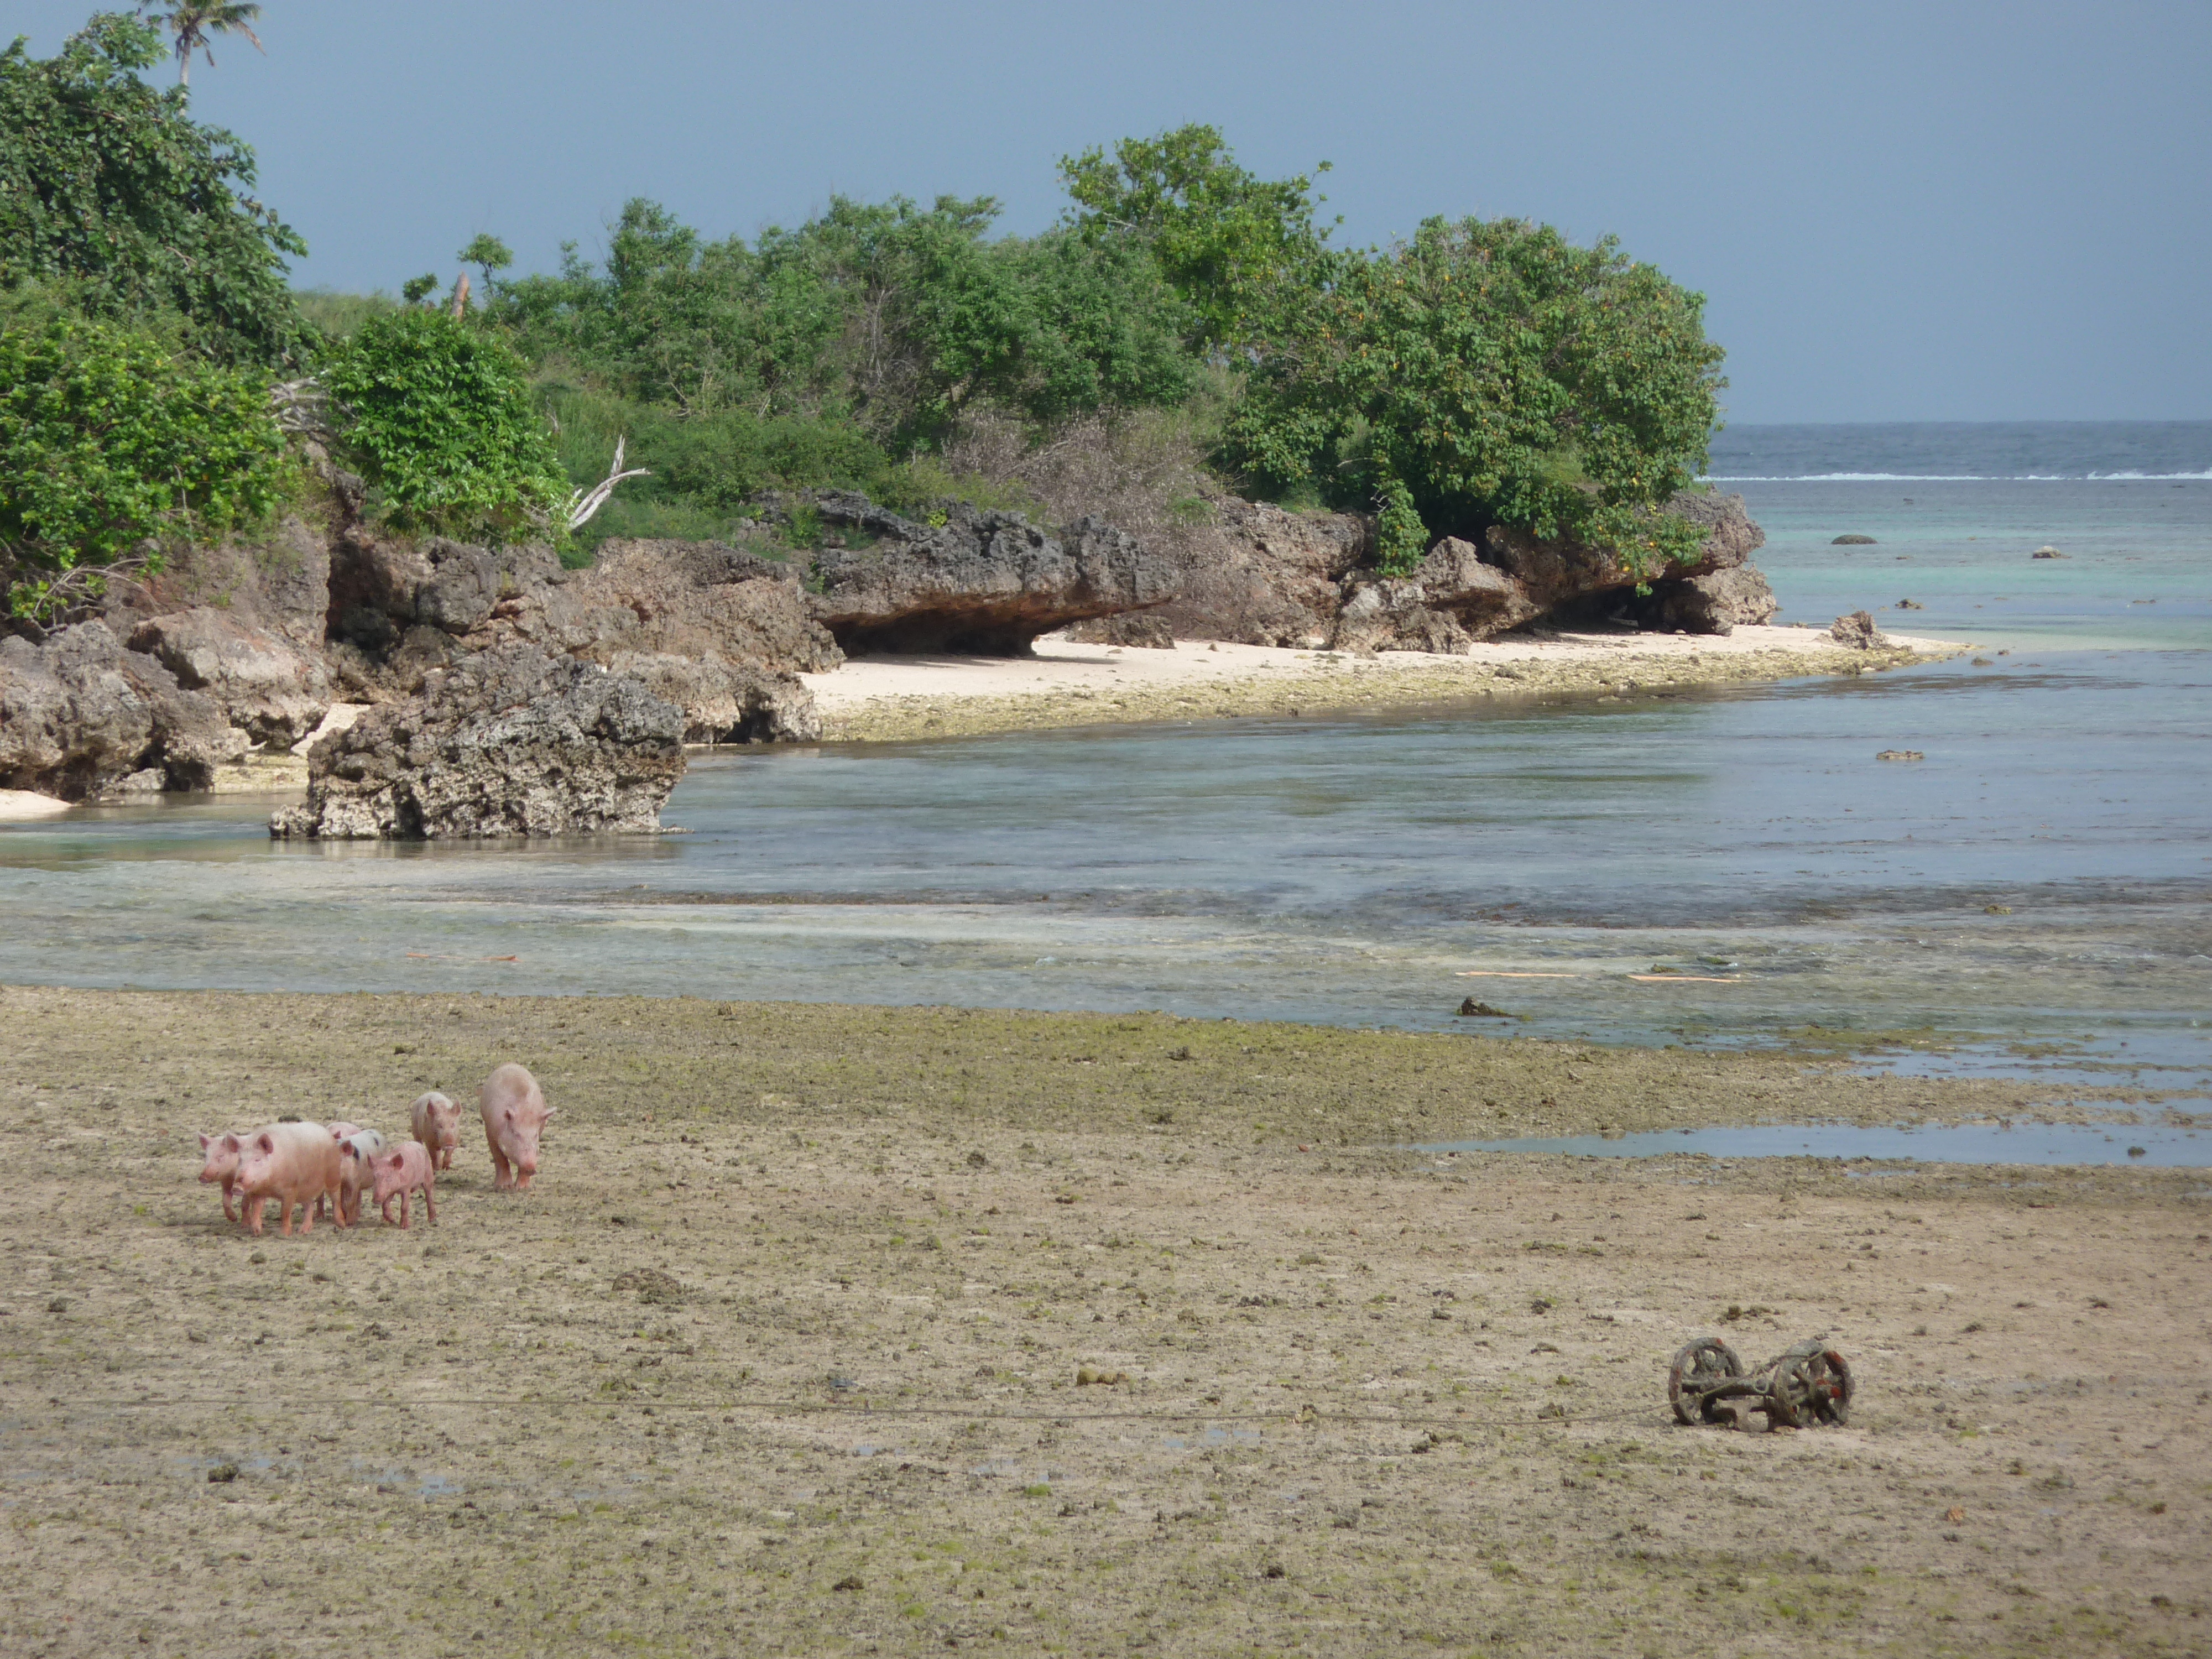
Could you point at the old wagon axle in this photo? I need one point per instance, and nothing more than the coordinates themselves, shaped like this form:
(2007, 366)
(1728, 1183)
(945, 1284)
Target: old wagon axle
(1810, 1383)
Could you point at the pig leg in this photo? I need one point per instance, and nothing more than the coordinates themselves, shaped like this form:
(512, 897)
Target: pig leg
(249, 1214)
(284, 1217)
(229, 1214)
(308, 1212)
(430, 1210)
(404, 1212)
(502, 1173)
(385, 1210)
(337, 1206)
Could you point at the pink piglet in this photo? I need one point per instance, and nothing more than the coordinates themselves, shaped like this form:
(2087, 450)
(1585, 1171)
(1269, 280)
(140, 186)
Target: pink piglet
(400, 1173)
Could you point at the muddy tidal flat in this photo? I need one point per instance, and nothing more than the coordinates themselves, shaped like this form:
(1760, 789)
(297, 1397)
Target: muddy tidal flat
(832, 1330)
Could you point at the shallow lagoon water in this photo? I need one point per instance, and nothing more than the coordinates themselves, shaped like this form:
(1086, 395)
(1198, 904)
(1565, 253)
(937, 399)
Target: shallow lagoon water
(2031, 898)
(2159, 1146)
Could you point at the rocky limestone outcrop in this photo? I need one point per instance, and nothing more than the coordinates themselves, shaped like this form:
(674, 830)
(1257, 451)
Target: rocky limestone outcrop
(1563, 573)
(511, 742)
(274, 691)
(82, 716)
(983, 583)
(1143, 628)
(727, 702)
(1718, 602)
(277, 584)
(1858, 630)
(382, 590)
(1261, 575)
(722, 632)
(697, 599)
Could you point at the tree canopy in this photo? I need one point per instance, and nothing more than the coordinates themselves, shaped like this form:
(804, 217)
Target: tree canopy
(1241, 251)
(437, 414)
(1491, 372)
(1483, 373)
(109, 188)
(893, 315)
(114, 449)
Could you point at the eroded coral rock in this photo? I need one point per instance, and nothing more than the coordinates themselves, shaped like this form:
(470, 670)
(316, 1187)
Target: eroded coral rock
(1859, 631)
(80, 714)
(265, 686)
(511, 742)
(987, 583)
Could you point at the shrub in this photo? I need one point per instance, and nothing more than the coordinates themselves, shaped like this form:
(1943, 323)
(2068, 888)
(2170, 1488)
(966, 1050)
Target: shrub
(1497, 374)
(113, 445)
(437, 414)
(108, 184)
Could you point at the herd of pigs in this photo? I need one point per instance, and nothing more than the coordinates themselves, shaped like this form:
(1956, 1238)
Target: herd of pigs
(311, 1164)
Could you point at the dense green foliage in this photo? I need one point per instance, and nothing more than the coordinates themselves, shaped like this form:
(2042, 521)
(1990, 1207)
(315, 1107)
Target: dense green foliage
(892, 317)
(1482, 374)
(113, 446)
(1493, 372)
(108, 186)
(1243, 252)
(439, 417)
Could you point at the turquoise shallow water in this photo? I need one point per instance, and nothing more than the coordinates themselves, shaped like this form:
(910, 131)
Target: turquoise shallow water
(1352, 870)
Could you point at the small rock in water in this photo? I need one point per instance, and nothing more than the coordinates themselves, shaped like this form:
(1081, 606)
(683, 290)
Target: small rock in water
(1858, 631)
(1852, 541)
(1901, 754)
(1996, 909)
(1911, 604)
(1471, 1006)
(2046, 553)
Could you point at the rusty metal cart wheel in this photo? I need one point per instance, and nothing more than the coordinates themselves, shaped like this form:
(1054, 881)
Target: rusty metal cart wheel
(1812, 1380)
(1699, 1366)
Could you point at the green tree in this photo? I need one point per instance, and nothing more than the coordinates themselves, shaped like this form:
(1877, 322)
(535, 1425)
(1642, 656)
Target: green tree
(893, 315)
(437, 414)
(488, 254)
(1496, 373)
(114, 447)
(194, 20)
(1241, 251)
(108, 186)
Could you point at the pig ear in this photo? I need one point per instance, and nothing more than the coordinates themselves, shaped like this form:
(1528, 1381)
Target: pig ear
(206, 1141)
(267, 1142)
(548, 1111)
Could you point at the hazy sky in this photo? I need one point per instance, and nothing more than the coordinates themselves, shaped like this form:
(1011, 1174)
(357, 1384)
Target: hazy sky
(1923, 211)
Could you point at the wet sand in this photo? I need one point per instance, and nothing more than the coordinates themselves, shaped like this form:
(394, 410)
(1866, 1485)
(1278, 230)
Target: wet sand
(783, 1354)
(1065, 684)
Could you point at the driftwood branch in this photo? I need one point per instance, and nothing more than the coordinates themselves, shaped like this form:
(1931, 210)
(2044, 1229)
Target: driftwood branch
(582, 504)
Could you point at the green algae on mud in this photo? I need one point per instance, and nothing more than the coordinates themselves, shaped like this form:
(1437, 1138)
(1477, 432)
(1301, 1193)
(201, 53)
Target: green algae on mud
(784, 1351)
(235, 1053)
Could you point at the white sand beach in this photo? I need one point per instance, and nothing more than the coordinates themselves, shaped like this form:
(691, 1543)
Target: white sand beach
(1067, 683)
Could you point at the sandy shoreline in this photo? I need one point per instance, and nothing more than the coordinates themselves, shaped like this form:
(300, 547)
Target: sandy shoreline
(889, 698)
(784, 1352)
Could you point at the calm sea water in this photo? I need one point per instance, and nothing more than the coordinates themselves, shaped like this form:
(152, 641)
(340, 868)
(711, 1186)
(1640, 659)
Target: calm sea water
(2037, 892)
